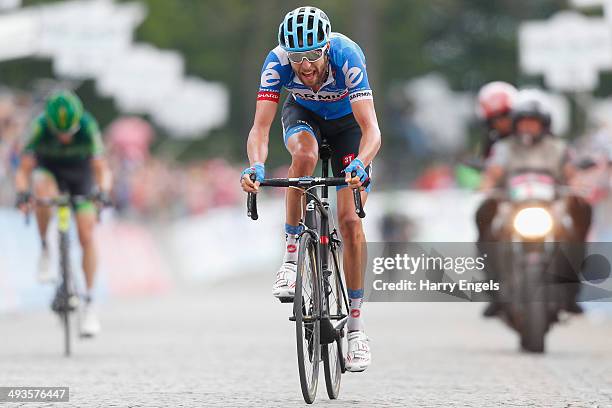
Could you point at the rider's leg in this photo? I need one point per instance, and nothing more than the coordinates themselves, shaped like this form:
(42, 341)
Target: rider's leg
(581, 213)
(304, 155)
(300, 127)
(358, 356)
(354, 254)
(484, 219)
(44, 187)
(304, 151)
(86, 220)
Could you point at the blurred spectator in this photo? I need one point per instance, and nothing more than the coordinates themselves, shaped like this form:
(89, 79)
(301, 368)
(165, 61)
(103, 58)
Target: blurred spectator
(128, 140)
(435, 177)
(15, 113)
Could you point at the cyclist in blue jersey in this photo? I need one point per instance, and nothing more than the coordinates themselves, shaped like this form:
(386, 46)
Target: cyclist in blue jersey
(329, 99)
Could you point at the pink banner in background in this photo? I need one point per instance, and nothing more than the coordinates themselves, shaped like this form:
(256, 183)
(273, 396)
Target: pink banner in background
(131, 260)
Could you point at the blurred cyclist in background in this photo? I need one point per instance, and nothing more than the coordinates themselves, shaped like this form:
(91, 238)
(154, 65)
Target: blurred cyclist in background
(64, 154)
(532, 146)
(330, 98)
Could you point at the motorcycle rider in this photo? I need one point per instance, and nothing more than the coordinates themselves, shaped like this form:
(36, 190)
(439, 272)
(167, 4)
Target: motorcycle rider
(532, 145)
(495, 101)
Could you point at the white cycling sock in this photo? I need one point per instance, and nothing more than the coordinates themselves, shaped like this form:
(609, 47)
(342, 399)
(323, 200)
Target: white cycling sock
(291, 248)
(354, 319)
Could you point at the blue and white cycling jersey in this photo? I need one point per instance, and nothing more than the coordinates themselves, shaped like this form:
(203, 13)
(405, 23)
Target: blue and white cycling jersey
(347, 81)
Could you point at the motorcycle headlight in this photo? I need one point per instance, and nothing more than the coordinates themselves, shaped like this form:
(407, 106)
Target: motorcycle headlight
(533, 222)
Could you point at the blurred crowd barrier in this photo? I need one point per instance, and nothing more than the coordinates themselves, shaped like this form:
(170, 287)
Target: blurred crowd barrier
(206, 248)
(142, 259)
(139, 259)
(132, 262)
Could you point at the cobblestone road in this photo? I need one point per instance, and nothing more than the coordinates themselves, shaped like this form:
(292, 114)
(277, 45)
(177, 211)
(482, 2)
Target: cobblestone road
(232, 345)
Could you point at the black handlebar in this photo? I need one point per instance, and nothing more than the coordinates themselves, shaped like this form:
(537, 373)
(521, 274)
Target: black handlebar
(67, 200)
(303, 182)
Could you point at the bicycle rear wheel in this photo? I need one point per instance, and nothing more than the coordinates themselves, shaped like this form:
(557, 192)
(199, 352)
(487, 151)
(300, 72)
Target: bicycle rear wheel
(332, 353)
(306, 308)
(67, 340)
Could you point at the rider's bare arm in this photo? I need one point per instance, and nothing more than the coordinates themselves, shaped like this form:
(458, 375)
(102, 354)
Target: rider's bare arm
(370, 133)
(496, 164)
(22, 176)
(102, 174)
(257, 143)
(491, 177)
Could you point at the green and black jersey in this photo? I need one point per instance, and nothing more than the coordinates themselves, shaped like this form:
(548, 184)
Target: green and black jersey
(68, 163)
(46, 146)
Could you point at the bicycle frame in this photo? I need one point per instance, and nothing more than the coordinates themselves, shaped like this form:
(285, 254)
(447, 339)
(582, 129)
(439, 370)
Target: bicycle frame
(64, 219)
(327, 241)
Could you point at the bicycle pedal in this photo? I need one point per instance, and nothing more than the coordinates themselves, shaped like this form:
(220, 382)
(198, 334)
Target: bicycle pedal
(285, 299)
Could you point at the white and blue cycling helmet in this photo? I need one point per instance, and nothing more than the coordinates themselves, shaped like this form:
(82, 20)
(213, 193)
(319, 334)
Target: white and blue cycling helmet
(304, 29)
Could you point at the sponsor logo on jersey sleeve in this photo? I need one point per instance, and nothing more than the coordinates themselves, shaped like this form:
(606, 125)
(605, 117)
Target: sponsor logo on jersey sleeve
(352, 76)
(270, 76)
(360, 95)
(272, 96)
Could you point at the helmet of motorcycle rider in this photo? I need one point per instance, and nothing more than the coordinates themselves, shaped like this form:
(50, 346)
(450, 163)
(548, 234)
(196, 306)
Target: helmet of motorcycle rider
(531, 116)
(495, 99)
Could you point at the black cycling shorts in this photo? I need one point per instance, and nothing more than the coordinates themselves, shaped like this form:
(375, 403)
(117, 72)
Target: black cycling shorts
(73, 177)
(343, 135)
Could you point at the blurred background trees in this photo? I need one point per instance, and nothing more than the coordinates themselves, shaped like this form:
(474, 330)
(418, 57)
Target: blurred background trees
(469, 42)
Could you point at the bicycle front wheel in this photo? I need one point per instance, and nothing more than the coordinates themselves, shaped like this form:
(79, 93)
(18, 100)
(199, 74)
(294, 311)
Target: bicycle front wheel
(65, 287)
(306, 308)
(335, 302)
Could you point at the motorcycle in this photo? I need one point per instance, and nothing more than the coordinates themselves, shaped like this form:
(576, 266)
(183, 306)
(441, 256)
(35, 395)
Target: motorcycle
(531, 225)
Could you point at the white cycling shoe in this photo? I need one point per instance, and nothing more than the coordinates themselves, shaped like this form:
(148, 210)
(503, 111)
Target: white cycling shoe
(90, 324)
(358, 357)
(284, 286)
(44, 274)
